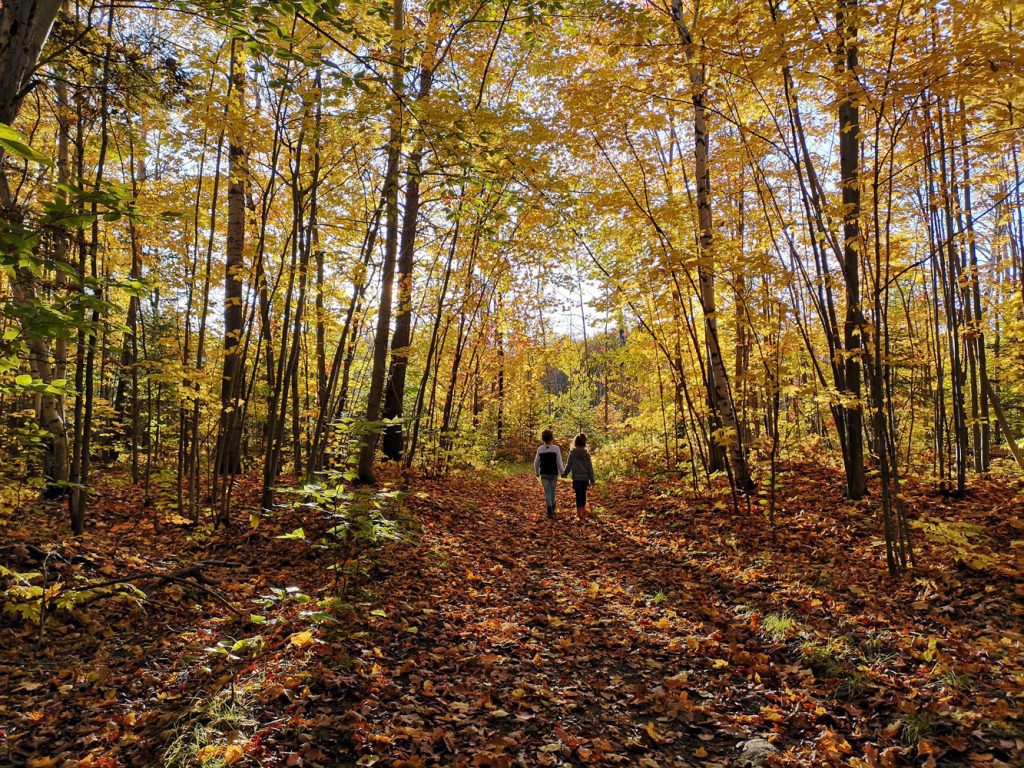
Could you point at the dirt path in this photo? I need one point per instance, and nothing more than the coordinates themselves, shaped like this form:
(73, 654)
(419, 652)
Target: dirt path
(525, 641)
(663, 634)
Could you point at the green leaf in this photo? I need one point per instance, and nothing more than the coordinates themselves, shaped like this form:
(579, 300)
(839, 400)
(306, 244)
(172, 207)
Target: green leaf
(13, 142)
(23, 380)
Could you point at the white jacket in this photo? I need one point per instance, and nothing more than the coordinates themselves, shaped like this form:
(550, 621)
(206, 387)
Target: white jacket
(542, 461)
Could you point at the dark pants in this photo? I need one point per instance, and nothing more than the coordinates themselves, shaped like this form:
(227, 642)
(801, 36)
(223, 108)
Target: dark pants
(580, 486)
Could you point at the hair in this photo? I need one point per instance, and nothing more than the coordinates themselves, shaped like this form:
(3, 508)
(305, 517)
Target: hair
(547, 435)
(580, 441)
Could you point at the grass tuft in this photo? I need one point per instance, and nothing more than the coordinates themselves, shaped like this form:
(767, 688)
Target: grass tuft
(778, 626)
(824, 660)
(203, 732)
(915, 726)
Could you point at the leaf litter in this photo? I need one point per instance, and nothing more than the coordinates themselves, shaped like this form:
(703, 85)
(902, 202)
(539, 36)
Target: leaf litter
(666, 630)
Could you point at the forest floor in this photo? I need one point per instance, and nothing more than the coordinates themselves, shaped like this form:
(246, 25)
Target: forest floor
(666, 630)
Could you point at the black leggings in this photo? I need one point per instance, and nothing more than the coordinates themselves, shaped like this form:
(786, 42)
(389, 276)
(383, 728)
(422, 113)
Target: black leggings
(580, 486)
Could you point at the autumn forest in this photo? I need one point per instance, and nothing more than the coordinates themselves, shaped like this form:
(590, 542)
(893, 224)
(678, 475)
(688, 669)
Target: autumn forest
(290, 291)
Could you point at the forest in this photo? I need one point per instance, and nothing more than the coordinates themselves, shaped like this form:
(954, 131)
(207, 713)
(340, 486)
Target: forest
(306, 304)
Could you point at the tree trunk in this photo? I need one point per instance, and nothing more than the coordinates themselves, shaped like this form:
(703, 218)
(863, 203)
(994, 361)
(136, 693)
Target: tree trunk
(394, 393)
(24, 27)
(80, 494)
(997, 409)
(983, 427)
(380, 345)
(849, 163)
(433, 345)
(229, 437)
(728, 433)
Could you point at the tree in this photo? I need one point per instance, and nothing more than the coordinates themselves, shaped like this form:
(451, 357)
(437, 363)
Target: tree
(24, 27)
(849, 169)
(229, 439)
(728, 432)
(394, 392)
(390, 194)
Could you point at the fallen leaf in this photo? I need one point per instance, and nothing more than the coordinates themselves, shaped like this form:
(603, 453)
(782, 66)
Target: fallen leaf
(301, 639)
(233, 754)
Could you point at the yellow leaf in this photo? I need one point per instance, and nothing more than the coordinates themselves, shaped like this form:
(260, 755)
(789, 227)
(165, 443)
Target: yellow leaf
(655, 736)
(700, 752)
(175, 519)
(233, 754)
(301, 639)
(210, 752)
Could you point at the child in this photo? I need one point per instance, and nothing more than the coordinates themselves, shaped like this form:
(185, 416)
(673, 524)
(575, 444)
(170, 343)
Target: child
(582, 469)
(547, 465)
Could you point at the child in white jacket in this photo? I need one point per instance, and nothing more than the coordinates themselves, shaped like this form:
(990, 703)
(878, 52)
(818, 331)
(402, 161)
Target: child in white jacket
(547, 465)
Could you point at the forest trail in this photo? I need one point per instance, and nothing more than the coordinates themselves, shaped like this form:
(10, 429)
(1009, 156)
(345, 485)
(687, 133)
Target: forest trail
(662, 632)
(530, 641)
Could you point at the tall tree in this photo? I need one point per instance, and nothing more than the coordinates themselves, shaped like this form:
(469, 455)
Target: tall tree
(24, 28)
(729, 430)
(394, 392)
(849, 169)
(394, 152)
(229, 437)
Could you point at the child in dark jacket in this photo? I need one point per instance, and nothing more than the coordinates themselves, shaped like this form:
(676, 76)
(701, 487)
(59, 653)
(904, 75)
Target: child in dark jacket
(582, 470)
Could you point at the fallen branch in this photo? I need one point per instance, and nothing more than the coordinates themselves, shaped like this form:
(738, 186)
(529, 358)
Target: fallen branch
(191, 575)
(1011, 439)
